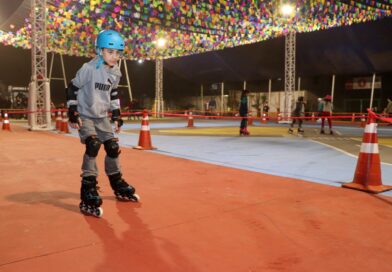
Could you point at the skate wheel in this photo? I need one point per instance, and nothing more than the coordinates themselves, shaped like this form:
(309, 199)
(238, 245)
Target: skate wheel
(136, 198)
(98, 212)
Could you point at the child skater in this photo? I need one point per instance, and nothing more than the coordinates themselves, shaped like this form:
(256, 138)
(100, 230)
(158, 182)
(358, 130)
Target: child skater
(90, 96)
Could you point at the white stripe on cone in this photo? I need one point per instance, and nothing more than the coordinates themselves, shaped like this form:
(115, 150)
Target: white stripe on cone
(371, 128)
(6, 121)
(369, 148)
(145, 128)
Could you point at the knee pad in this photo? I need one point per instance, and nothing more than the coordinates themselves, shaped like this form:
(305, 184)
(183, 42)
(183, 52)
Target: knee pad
(112, 148)
(93, 144)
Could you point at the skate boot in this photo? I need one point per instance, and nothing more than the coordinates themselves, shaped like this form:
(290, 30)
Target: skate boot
(122, 189)
(291, 131)
(322, 131)
(331, 132)
(90, 199)
(300, 131)
(247, 133)
(242, 132)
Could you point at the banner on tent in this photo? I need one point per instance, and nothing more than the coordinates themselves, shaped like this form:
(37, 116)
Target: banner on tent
(363, 83)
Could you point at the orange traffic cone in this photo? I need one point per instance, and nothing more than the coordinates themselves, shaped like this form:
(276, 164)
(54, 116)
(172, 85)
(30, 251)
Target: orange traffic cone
(353, 118)
(363, 121)
(64, 123)
(367, 175)
(313, 117)
(190, 120)
(250, 121)
(6, 122)
(264, 119)
(279, 117)
(144, 136)
(58, 120)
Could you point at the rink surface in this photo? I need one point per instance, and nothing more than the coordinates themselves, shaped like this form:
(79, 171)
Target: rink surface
(207, 204)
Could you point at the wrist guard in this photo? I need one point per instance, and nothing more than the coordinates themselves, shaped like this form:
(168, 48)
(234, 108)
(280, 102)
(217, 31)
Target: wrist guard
(115, 115)
(73, 114)
(120, 122)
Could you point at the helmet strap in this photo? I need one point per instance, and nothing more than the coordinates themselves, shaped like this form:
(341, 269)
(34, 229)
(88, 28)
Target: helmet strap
(100, 61)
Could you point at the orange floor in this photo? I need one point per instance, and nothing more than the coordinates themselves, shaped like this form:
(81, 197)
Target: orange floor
(192, 216)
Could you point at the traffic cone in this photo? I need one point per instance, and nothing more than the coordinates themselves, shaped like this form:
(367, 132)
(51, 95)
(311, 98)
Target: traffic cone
(363, 121)
(313, 117)
(367, 175)
(353, 118)
(144, 136)
(64, 123)
(264, 119)
(279, 117)
(190, 120)
(59, 120)
(6, 122)
(250, 121)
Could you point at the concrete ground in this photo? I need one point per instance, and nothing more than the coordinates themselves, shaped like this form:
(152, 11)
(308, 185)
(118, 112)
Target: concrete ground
(208, 203)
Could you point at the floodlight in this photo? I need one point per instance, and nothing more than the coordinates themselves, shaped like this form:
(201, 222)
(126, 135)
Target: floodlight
(287, 10)
(161, 42)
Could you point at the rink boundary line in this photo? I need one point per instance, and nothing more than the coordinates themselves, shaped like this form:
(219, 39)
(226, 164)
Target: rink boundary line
(43, 255)
(344, 152)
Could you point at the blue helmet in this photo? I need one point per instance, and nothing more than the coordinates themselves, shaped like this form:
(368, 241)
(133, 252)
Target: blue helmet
(109, 39)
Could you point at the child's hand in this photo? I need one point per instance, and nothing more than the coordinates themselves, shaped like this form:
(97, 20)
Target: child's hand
(117, 125)
(76, 125)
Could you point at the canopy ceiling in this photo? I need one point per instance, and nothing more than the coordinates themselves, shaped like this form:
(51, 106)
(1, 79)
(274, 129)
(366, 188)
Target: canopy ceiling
(189, 26)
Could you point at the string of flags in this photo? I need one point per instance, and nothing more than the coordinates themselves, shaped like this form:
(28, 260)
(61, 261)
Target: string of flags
(188, 26)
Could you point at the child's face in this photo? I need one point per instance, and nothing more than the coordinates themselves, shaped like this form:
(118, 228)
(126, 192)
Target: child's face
(111, 56)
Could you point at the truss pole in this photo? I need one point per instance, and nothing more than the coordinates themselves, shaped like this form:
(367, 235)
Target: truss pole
(39, 90)
(158, 103)
(289, 74)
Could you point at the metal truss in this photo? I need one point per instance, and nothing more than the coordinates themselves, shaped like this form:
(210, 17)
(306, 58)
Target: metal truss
(289, 73)
(158, 103)
(39, 88)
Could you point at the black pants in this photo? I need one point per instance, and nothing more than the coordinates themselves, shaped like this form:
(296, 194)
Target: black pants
(244, 121)
(300, 121)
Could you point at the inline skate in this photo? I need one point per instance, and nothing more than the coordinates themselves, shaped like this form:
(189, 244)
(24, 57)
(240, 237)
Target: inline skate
(244, 131)
(122, 189)
(90, 199)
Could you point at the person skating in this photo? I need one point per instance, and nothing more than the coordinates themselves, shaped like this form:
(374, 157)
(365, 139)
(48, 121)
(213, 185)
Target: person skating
(244, 113)
(298, 112)
(326, 113)
(90, 96)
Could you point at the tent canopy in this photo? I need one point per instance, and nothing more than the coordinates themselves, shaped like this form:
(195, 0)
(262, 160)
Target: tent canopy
(189, 27)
